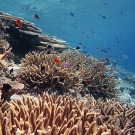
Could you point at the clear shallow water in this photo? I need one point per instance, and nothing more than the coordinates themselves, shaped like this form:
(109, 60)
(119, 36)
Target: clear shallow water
(97, 24)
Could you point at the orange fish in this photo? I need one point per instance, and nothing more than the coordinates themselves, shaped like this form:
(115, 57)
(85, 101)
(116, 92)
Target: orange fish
(57, 60)
(19, 23)
(90, 81)
(85, 74)
(100, 75)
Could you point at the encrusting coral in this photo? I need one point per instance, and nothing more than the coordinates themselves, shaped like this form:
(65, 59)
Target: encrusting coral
(76, 73)
(48, 115)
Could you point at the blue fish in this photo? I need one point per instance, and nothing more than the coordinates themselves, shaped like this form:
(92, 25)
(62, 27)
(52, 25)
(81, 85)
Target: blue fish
(107, 73)
(72, 14)
(104, 50)
(27, 7)
(83, 51)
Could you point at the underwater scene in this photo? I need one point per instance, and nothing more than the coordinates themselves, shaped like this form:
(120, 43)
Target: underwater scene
(67, 67)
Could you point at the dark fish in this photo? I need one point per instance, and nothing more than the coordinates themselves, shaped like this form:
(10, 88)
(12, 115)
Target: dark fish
(6, 87)
(91, 31)
(11, 70)
(72, 14)
(109, 49)
(77, 47)
(104, 50)
(105, 3)
(103, 17)
(56, 70)
(82, 32)
(121, 13)
(48, 52)
(36, 17)
(49, 46)
(80, 43)
(42, 68)
(77, 67)
(87, 37)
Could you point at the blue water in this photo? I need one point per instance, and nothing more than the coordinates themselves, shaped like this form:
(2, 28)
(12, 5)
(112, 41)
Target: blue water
(97, 24)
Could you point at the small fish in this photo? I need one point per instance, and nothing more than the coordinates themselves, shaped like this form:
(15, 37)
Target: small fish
(48, 52)
(100, 76)
(91, 81)
(67, 64)
(27, 7)
(91, 31)
(105, 3)
(107, 73)
(109, 49)
(104, 50)
(35, 16)
(80, 43)
(49, 46)
(77, 67)
(125, 56)
(6, 87)
(85, 74)
(87, 37)
(106, 59)
(19, 23)
(42, 68)
(57, 60)
(121, 13)
(103, 17)
(72, 14)
(77, 47)
(11, 70)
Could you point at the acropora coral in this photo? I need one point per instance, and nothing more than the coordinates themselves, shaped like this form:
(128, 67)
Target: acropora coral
(49, 115)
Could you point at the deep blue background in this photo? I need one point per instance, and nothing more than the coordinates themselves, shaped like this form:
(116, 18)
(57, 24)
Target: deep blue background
(56, 20)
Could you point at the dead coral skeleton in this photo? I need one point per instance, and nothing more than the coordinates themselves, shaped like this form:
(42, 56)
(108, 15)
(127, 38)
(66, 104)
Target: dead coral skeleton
(47, 115)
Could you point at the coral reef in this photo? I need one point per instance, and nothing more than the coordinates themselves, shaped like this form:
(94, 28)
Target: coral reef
(28, 38)
(48, 115)
(76, 73)
(40, 69)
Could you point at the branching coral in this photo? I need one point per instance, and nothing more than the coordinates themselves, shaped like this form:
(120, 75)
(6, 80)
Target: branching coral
(76, 71)
(114, 113)
(50, 116)
(40, 69)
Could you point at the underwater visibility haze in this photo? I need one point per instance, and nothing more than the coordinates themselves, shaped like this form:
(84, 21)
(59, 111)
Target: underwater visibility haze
(102, 28)
(67, 67)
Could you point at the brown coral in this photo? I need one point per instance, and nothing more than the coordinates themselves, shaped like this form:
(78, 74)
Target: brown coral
(50, 116)
(52, 75)
(76, 77)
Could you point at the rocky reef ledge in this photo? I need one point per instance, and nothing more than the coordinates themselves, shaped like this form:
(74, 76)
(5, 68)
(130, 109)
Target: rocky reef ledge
(28, 38)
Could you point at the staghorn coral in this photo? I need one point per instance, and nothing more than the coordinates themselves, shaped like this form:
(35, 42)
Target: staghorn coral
(40, 69)
(79, 76)
(114, 113)
(48, 115)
